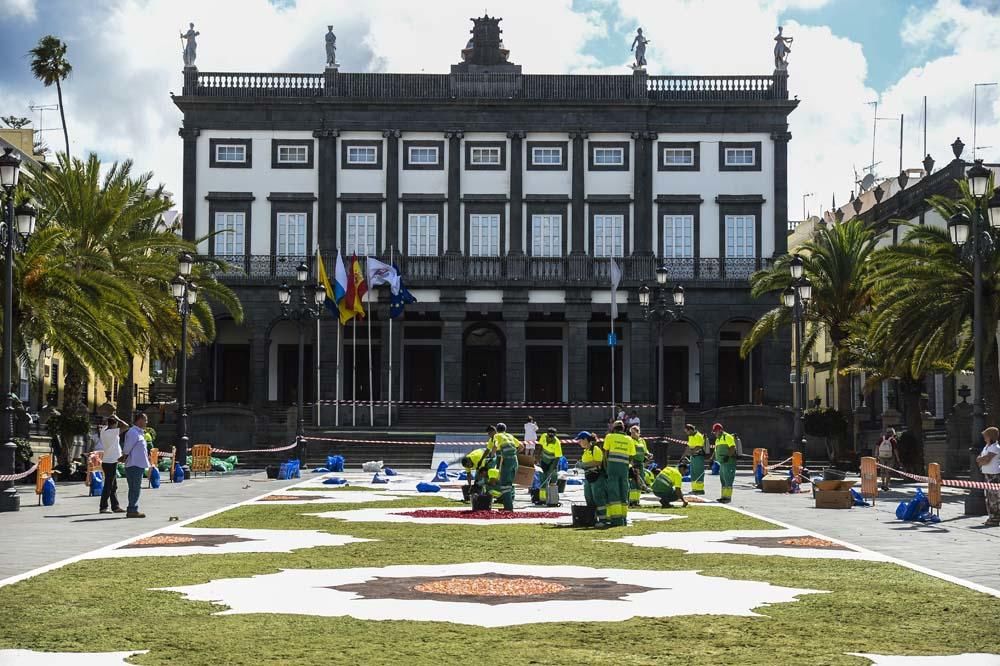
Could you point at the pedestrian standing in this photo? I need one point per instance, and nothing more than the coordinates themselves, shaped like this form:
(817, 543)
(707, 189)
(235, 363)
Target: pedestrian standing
(594, 486)
(633, 420)
(530, 435)
(508, 447)
(136, 462)
(725, 454)
(551, 451)
(888, 456)
(989, 464)
(618, 451)
(110, 443)
(636, 482)
(696, 455)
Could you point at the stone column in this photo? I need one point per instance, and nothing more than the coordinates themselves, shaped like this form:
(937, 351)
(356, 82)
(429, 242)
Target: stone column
(578, 313)
(709, 352)
(516, 192)
(642, 359)
(259, 347)
(326, 165)
(454, 194)
(452, 328)
(642, 189)
(579, 164)
(391, 188)
(515, 314)
(781, 140)
(189, 207)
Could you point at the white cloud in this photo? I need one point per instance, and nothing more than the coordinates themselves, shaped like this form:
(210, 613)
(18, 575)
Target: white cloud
(23, 9)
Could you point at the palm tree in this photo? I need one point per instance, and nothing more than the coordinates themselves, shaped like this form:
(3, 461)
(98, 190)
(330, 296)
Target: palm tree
(49, 65)
(834, 260)
(926, 289)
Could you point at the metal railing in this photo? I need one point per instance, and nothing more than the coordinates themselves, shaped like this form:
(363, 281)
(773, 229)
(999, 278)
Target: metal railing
(577, 270)
(579, 87)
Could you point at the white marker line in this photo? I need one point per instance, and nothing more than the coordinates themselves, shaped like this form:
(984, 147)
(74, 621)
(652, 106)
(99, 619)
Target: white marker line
(889, 558)
(166, 528)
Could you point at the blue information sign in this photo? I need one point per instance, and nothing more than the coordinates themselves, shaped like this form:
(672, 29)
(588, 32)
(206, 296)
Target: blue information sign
(612, 340)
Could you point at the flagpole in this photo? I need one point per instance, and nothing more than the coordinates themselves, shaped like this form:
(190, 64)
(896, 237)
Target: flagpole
(337, 380)
(371, 387)
(316, 402)
(389, 407)
(354, 372)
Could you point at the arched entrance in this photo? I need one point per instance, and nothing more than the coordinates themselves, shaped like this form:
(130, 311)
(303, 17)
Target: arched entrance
(483, 363)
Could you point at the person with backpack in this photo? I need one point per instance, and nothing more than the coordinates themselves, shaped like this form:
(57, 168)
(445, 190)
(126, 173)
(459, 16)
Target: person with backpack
(594, 486)
(550, 451)
(888, 456)
(989, 463)
(696, 452)
(725, 454)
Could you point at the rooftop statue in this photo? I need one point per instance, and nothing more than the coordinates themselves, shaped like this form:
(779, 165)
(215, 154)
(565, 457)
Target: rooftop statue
(781, 50)
(331, 47)
(639, 46)
(190, 46)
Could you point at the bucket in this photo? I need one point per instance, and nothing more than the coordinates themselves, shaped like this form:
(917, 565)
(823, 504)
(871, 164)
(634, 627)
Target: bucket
(482, 502)
(583, 515)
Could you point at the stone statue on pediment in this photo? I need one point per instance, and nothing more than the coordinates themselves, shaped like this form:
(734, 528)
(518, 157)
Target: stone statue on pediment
(639, 46)
(331, 47)
(781, 50)
(190, 45)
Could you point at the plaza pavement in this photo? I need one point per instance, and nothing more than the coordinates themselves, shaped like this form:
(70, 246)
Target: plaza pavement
(957, 546)
(42, 535)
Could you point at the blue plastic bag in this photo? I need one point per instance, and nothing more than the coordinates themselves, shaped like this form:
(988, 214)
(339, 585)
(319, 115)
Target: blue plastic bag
(563, 464)
(859, 499)
(379, 479)
(48, 492)
(463, 476)
(536, 481)
(154, 477)
(442, 472)
(686, 479)
(715, 467)
(758, 474)
(424, 487)
(910, 510)
(335, 481)
(178, 473)
(574, 482)
(388, 471)
(335, 463)
(96, 484)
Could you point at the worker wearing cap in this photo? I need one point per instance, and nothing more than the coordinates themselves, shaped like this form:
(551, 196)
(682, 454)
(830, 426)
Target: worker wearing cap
(636, 480)
(725, 454)
(550, 451)
(506, 447)
(594, 486)
(619, 449)
(696, 452)
(667, 485)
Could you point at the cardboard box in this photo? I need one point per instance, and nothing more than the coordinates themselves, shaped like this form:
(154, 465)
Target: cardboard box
(775, 483)
(524, 476)
(525, 460)
(834, 499)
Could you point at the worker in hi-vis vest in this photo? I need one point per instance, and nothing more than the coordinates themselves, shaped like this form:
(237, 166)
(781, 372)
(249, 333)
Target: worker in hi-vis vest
(697, 451)
(619, 449)
(636, 480)
(725, 455)
(667, 485)
(549, 452)
(507, 446)
(594, 480)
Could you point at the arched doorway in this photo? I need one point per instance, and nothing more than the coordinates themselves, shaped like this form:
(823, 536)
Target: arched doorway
(483, 364)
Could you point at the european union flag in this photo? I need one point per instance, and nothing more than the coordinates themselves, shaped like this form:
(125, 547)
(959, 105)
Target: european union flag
(401, 299)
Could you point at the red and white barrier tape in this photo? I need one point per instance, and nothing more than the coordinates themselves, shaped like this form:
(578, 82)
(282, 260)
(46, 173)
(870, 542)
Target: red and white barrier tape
(18, 477)
(282, 448)
(778, 465)
(951, 483)
(483, 405)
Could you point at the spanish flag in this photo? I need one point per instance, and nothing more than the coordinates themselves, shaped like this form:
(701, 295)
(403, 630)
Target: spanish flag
(352, 304)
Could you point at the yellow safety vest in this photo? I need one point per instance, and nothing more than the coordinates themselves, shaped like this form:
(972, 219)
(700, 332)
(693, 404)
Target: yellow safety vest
(592, 457)
(727, 443)
(474, 457)
(551, 447)
(640, 451)
(619, 447)
(696, 444)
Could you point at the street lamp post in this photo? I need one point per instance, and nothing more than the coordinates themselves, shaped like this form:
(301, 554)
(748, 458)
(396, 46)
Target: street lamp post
(302, 313)
(186, 293)
(796, 297)
(657, 308)
(973, 236)
(17, 226)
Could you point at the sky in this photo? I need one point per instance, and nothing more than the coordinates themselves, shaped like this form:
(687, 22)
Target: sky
(126, 59)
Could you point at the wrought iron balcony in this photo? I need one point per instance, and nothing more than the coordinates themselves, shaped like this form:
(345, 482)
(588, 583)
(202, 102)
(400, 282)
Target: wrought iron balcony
(441, 87)
(506, 271)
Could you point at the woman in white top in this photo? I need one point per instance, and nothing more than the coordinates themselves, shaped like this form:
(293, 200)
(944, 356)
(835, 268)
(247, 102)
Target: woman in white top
(110, 444)
(989, 463)
(530, 435)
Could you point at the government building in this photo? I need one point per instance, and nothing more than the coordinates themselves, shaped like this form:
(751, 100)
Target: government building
(503, 197)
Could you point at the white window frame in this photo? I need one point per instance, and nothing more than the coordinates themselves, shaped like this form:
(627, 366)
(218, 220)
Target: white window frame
(478, 154)
(422, 234)
(602, 153)
(291, 234)
(232, 224)
(354, 154)
(609, 230)
(551, 151)
(732, 153)
(417, 149)
(688, 152)
(741, 236)
(547, 235)
(678, 236)
(365, 224)
(484, 234)
(239, 150)
(293, 149)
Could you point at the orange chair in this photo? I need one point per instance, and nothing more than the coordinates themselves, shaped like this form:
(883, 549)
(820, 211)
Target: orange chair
(94, 460)
(869, 478)
(43, 472)
(201, 458)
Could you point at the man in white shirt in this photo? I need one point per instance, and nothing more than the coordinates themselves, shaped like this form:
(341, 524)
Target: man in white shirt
(530, 435)
(989, 463)
(110, 443)
(136, 462)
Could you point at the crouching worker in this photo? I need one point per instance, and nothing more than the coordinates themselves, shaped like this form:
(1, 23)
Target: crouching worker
(667, 485)
(474, 464)
(594, 491)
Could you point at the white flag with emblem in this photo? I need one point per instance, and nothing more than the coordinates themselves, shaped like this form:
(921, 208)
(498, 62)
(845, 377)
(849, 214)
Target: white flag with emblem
(616, 278)
(381, 273)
